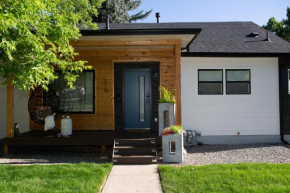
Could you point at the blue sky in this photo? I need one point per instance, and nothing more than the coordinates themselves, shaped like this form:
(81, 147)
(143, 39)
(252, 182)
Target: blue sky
(258, 11)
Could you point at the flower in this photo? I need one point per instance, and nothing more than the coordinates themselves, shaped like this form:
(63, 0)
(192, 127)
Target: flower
(176, 129)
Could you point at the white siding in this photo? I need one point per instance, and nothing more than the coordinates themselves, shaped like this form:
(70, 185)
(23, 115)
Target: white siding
(254, 114)
(21, 114)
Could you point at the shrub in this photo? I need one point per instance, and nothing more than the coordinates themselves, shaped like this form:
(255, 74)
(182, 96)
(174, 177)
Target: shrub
(167, 95)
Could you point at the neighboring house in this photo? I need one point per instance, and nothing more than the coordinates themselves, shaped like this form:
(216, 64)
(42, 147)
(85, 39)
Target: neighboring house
(231, 81)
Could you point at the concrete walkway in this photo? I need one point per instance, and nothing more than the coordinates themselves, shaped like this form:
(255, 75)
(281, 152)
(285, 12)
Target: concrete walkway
(132, 179)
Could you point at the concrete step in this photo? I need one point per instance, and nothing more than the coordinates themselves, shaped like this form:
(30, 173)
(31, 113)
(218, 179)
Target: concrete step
(135, 150)
(134, 159)
(135, 142)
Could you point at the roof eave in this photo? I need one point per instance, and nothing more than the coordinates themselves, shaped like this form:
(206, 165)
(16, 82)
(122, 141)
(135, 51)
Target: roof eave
(139, 32)
(231, 54)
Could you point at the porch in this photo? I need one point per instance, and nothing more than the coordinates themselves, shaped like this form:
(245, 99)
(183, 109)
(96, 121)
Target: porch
(108, 56)
(78, 138)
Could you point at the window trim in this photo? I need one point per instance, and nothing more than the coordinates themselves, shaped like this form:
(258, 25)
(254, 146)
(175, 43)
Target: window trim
(249, 82)
(210, 81)
(94, 96)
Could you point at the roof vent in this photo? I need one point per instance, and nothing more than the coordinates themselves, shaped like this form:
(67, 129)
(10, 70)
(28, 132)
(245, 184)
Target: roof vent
(108, 22)
(254, 34)
(267, 37)
(157, 16)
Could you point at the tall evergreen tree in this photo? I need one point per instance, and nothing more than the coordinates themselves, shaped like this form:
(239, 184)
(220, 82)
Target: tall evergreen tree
(118, 11)
(280, 28)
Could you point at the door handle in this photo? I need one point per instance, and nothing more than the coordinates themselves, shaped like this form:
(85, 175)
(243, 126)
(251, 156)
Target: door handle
(148, 98)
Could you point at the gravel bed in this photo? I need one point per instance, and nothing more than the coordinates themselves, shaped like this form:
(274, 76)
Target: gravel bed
(252, 153)
(51, 155)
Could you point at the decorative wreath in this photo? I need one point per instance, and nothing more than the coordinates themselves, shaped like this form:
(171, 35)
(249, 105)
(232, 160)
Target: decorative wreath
(42, 103)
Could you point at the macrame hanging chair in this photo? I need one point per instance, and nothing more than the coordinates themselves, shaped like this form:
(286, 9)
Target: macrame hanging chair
(41, 100)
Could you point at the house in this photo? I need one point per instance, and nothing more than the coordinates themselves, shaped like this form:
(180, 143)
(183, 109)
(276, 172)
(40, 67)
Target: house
(231, 81)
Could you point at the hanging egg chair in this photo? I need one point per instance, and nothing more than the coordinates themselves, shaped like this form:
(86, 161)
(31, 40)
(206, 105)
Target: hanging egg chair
(42, 103)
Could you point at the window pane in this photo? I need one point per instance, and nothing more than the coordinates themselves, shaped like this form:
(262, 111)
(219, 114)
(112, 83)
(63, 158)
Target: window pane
(210, 88)
(238, 88)
(238, 75)
(210, 75)
(142, 98)
(81, 99)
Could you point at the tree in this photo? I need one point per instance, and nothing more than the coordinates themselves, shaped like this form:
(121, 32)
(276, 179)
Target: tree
(118, 11)
(35, 39)
(280, 28)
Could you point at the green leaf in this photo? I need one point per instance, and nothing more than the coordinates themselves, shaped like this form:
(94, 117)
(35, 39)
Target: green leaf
(35, 38)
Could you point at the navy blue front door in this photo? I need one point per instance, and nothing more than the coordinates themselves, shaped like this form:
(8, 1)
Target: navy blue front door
(137, 99)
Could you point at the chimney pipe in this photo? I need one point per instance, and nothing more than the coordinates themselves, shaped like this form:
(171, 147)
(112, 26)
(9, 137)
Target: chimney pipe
(157, 16)
(108, 22)
(267, 37)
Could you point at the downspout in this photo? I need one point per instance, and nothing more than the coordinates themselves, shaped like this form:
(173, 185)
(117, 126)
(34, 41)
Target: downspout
(280, 104)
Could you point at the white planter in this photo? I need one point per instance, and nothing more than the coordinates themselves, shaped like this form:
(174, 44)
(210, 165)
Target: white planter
(66, 126)
(162, 108)
(167, 148)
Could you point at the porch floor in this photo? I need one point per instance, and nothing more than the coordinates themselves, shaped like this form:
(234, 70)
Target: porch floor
(78, 138)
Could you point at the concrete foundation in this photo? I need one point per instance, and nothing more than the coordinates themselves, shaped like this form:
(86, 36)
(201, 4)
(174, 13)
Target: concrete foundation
(244, 139)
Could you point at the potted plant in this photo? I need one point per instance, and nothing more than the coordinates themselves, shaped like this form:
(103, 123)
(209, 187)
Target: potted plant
(166, 104)
(172, 144)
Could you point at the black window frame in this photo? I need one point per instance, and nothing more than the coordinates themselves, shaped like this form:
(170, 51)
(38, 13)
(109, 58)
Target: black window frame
(94, 96)
(288, 85)
(222, 82)
(249, 82)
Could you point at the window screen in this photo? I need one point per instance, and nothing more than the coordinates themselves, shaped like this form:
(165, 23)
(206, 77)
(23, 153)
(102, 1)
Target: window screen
(79, 100)
(210, 82)
(238, 82)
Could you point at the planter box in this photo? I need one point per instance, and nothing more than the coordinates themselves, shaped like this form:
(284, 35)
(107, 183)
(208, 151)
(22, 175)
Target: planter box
(172, 148)
(162, 108)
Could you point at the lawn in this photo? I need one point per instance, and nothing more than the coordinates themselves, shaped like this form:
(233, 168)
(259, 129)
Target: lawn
(261, 178)
(53, 178)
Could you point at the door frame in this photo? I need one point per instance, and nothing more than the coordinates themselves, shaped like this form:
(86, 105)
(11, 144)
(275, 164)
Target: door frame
(119, 110)
(123, 98)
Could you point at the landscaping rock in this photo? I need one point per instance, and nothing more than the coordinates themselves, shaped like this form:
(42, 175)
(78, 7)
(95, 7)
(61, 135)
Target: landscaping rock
(252, 153)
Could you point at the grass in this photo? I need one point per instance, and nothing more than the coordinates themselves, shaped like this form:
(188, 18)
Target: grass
(53, 178)
(260, 178)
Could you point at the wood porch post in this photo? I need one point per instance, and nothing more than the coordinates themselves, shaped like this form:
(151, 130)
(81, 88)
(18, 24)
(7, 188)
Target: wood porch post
(9, 112)
(177, 48)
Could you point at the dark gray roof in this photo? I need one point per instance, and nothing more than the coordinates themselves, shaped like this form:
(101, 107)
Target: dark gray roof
(219, 37)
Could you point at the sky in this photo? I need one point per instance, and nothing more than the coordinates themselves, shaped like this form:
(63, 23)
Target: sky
(258, 11)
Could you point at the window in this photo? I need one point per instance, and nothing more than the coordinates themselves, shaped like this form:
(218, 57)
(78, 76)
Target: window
(210, 82)
(238, 82)
(79, 100)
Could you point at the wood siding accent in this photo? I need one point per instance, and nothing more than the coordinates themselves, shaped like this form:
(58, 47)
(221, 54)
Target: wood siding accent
(10, 109)
(126, 42)
(102, 60)
(178, 84)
